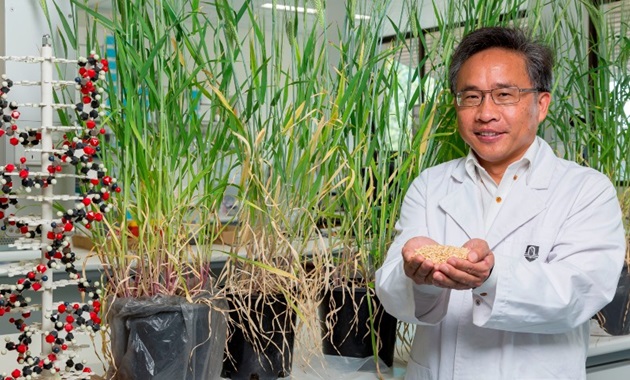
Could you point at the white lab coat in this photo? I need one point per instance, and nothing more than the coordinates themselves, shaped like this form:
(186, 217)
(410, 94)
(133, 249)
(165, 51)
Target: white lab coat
(530, 320)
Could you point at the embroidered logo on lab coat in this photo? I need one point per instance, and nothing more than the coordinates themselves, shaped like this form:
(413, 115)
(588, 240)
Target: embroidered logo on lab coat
(531, 252)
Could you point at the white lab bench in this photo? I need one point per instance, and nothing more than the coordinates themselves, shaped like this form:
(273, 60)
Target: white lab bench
(608, 356)
(612, 355)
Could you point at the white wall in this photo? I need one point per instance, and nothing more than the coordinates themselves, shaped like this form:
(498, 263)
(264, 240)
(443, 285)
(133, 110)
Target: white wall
(22, 27)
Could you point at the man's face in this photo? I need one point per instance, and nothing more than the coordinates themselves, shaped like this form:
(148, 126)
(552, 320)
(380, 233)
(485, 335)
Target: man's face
(499, 134)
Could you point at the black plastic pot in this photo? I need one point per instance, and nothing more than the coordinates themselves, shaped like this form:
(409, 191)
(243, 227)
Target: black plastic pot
(164, 338)
(272, 357)
(346, 328)
(614, 318)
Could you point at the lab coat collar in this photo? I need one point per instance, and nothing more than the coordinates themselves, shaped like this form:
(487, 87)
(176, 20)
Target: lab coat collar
(543, 167)
(463, 204)
(540, 172)
(460, 206)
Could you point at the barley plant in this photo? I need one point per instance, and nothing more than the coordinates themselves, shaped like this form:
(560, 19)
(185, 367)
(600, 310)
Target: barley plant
(314, 124)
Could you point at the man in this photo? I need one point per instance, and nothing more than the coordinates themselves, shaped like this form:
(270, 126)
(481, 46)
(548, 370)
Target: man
(545, 237)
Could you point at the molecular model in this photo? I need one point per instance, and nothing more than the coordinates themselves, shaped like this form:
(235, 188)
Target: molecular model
(52, 231)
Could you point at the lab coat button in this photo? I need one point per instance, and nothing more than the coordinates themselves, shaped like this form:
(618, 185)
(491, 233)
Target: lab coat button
(483, 294)
(477, 302)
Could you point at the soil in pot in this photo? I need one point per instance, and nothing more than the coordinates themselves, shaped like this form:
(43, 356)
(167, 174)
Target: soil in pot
(346, 326)
(166, 337)
(260, 343)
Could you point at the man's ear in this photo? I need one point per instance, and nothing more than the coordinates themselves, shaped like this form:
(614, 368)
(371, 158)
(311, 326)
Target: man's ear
(544, 99)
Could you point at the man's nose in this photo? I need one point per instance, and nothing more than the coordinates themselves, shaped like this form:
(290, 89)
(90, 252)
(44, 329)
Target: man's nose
(488, 109)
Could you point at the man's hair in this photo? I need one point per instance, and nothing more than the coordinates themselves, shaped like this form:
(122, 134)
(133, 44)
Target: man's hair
(538, 56)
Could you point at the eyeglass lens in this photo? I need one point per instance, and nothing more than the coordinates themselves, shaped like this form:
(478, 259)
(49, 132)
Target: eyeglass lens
(500, 96)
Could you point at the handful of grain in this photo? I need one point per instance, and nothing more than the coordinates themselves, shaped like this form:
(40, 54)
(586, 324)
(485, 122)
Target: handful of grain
(440, 253)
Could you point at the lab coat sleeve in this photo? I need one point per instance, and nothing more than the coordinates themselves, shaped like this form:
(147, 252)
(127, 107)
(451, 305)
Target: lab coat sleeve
(577, 279)
(401, 297)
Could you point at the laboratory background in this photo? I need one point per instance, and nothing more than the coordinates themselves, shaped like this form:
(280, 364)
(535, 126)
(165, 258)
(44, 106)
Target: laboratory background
(205, 189)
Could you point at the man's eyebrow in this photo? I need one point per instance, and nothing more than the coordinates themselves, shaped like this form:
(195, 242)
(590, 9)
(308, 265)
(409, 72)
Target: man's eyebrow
(468, 88)
(497, 85)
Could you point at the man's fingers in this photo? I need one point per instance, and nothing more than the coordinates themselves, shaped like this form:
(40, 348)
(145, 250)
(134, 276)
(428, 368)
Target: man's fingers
(419, 271)
(462, 276)
(411, 268)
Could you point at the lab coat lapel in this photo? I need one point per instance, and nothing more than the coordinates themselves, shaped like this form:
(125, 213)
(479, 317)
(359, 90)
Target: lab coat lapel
(527, 199)
(462, 204)
(521, 205)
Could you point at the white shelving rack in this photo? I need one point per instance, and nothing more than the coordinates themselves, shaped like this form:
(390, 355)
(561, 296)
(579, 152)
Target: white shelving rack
(50, 231)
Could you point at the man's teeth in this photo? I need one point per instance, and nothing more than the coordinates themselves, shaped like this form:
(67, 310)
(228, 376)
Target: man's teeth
(487, 133)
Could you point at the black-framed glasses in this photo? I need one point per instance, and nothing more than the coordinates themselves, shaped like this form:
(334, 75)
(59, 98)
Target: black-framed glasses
(500, 96)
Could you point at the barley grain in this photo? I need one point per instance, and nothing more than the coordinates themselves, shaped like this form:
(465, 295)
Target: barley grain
(440, 253)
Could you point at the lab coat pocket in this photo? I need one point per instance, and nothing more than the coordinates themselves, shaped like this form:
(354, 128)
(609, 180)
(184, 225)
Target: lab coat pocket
(417, 372)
